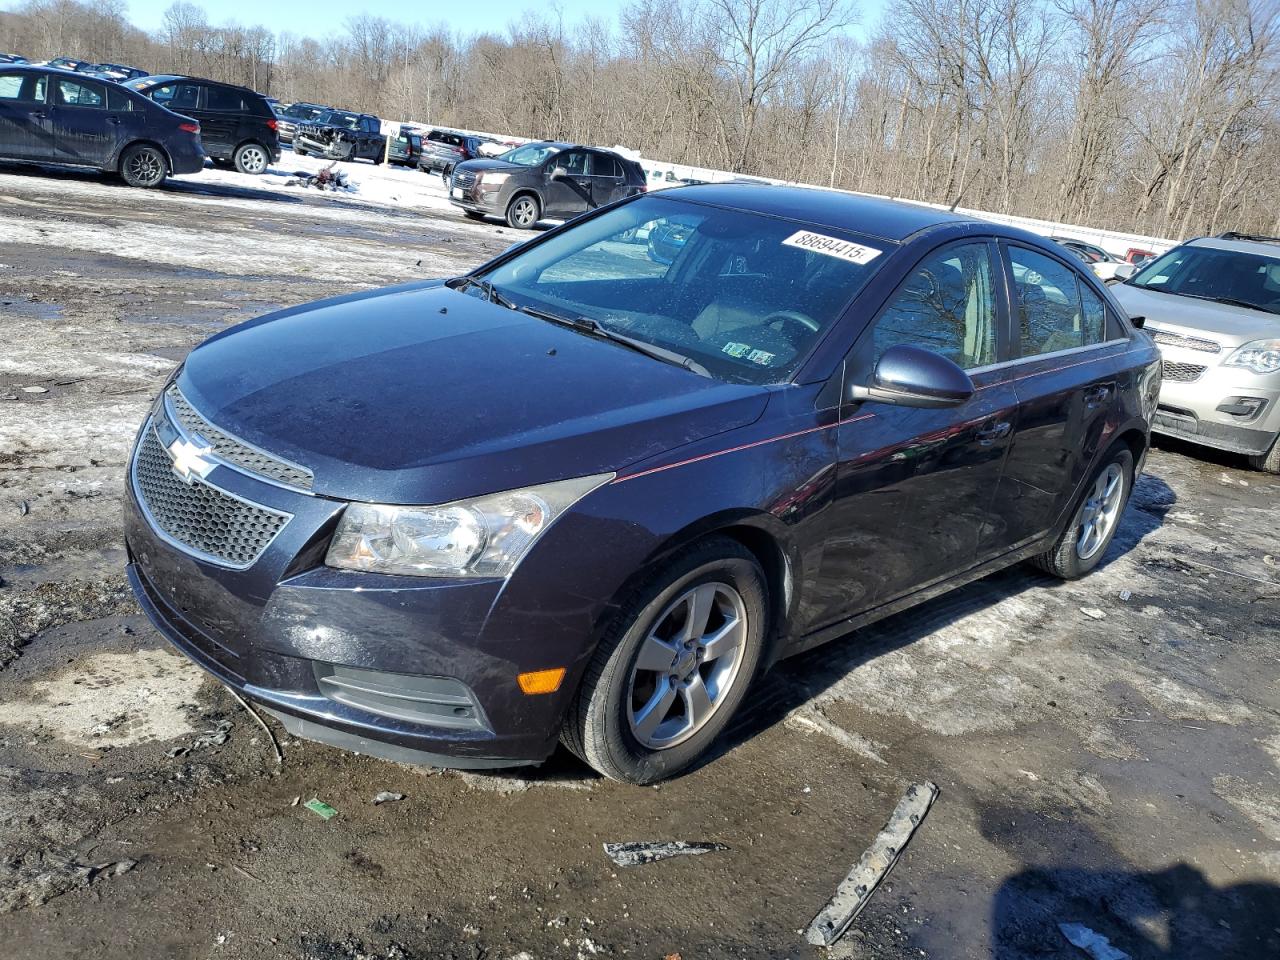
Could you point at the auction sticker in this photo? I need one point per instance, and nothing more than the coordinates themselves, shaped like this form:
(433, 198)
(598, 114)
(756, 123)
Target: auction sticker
(832, 246)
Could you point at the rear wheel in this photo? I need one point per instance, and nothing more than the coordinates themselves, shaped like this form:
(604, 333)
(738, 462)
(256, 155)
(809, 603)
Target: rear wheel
(1081, 546)
(1268, 462)
(251, 158)
(676, 664)
(523, 212)
(143, 165)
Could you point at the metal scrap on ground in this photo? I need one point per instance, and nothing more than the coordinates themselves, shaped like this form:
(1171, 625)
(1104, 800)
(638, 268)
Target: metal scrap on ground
(855, 890)
(636, 853)
(1091, 942)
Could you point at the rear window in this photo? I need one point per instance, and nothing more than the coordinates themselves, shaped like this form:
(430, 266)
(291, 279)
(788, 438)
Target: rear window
(744, 295)
(224, 98)
(77, 93)
(439, 136)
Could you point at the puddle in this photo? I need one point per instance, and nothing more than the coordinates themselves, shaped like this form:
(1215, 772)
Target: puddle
(112, 700)
(29, 309)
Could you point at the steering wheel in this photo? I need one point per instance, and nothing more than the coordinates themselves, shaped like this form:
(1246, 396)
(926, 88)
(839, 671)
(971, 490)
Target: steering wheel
(780, 318)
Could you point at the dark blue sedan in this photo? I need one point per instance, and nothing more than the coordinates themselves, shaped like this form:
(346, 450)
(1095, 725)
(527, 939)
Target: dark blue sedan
(589, 492)
(49, 115)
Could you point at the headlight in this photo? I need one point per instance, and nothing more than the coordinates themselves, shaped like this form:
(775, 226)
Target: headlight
(484, 537)
(1260, 356)
(492, 181)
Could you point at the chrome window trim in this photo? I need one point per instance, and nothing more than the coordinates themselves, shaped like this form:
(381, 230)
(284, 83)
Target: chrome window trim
(1070, 351)
(178, 544)
(176, 424)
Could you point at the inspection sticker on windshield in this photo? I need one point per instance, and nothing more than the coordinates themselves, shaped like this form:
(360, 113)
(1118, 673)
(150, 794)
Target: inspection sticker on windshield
(832, 246)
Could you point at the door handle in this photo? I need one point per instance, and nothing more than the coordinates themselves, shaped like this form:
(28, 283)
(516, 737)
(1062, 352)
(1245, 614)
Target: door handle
(991, 432)
(40, 115)
(113, 119)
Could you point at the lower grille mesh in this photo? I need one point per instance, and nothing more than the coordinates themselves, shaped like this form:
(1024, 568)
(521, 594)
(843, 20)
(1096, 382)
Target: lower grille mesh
(1181, 372)
(198, 517)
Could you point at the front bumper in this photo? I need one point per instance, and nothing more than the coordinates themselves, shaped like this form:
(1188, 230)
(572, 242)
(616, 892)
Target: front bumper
(279, 630)
(1192, 408)
(329, 149)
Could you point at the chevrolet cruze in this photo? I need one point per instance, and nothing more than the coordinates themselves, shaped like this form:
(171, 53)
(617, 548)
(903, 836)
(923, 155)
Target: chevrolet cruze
(588, 493)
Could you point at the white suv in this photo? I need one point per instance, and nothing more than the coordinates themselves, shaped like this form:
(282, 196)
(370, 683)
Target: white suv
(1213, 307)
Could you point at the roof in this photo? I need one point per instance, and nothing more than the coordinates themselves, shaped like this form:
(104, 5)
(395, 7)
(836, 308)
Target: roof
(1240, 244)
(873, 216)
(155, 79)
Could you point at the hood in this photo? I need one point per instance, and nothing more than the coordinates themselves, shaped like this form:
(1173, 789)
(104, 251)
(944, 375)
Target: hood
(1227, 323)
(490, 163)
(422, 394)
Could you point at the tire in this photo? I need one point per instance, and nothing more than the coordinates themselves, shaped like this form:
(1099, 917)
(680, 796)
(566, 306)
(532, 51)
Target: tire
(1268, 462)
(142, 165)
(1073, 554)
(635, 723)
(523, 212)
(251, 158)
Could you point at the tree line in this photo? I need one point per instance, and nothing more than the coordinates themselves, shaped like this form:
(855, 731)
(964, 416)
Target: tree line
(1155, 116)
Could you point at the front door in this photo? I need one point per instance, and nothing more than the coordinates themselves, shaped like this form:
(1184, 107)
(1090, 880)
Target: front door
(570, 193)
(25, 133)
(84, 131)
(1071, 357)
(916, 487)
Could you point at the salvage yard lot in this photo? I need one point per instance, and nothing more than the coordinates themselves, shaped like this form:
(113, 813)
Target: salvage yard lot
(1108, 751)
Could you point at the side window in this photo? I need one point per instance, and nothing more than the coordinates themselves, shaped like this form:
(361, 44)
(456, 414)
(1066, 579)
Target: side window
(220, 98)
(605, 166)
(1050, 317)
(1093, 317)
(177, 96)
(78, 93)
(118, 100)
(370, 125)
(947, 305)
(28, 87)
(575, 163)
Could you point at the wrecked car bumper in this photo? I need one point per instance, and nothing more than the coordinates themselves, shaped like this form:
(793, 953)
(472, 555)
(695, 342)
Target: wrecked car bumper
(329, 149)
(408, 669)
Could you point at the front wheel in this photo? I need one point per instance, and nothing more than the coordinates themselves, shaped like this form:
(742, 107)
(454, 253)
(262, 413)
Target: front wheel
(1081, 546)
(251, 158)
(676, 664)
(143, 165)
(523, 212)
(1268, 462)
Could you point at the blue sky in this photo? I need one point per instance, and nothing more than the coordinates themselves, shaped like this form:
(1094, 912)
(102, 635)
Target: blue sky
(319, 18)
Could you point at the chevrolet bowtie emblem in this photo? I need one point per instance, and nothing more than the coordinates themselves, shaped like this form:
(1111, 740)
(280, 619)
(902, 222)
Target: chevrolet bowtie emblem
(189, 459)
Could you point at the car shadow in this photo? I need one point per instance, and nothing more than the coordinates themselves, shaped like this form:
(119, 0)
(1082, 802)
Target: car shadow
(1197, 451)
(1170, 914)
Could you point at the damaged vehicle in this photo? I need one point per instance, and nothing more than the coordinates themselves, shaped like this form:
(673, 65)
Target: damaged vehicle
(583, 495)
(289, 117)
(339, 135)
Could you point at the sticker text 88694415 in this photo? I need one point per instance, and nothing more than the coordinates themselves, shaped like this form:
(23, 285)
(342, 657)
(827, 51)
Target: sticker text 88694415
(832, 246)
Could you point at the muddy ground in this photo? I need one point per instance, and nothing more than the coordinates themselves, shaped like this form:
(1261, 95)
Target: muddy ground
(1108, 751)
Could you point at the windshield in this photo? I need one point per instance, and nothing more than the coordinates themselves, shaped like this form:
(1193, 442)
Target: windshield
(530, 155)
(348, 121)
(1231, 276)
(742, 294)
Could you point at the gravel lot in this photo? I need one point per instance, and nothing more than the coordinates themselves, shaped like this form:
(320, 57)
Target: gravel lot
(1108, 751)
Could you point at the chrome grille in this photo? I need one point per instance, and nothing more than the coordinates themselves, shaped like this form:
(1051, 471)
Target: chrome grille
(197, 517)
(1181, 372)
(1170, 339)
(464, 179)
(233, 451)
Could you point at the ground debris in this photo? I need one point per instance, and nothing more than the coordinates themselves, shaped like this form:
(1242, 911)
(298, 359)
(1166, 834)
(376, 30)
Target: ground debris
(386, 796)
(330, 178)
(316, 946)
(855, 890)
(637, 853)
(321, 809)
(34, 880)
(1091, 942)
(25, 613)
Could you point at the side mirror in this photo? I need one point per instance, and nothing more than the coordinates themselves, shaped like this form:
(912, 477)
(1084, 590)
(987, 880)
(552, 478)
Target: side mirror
(1138, 322)
(913, 377)
(559, 173)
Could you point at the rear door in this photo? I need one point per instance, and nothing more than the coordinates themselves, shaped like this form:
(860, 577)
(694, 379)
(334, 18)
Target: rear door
(1070, 355)
(84, 131)
(607, 182)
(25, 133)
(915, 488)
(221, 114)
(570, 194)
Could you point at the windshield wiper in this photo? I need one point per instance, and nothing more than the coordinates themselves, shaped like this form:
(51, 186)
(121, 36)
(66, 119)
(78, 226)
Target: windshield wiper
(1227, 300)
(595, 329)
(490, 291)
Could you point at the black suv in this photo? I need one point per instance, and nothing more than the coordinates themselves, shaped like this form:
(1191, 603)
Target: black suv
(548, 179)
(340, 135)
(442, 150)
(237, 125)
(405, 149)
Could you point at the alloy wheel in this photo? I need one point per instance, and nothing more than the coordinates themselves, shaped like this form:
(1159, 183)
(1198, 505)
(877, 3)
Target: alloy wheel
(686, 665)
(524, 212)
(1100, 511)
(252, 159)
(145, 166)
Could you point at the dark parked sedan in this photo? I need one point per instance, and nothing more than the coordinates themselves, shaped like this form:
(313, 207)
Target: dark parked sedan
(57, 116)
(584, 495)
(537, 180)
(237, 125)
